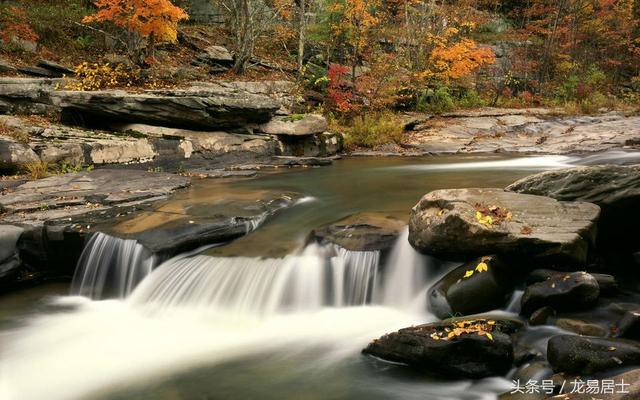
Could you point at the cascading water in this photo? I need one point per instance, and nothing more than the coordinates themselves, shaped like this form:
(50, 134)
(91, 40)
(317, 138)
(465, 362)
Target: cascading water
(111, 267)
(316, 277)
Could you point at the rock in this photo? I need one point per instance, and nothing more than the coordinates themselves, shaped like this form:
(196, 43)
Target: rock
(586, 355)
(467, 355)
(448, 223)
(199, 107)
(9, 235)
(629, 326)
(29, 46)
(459, 294)
(318, 145)
(567, 292)
(174, 228)
(361, 232)
(541, 315)
(55, 67)
(294, 125)
(607, 283)
(5, 66)
(14, 155)
(581, 327)
(40, 72)
(29, 96)
(616, 189)
(525, 131)
(217, 57)
(626, 386)
(68, 195)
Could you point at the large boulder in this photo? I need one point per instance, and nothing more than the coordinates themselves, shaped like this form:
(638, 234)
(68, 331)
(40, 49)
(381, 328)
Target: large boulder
(217, 57)
(27, 95)
(9, 257)
(14, 154)
(462, 223)
(478, 286)
(361, 232)
(295, 125)
(198, 107)
(586, 355)
(454, 348)
(562, 292)
(616, 189)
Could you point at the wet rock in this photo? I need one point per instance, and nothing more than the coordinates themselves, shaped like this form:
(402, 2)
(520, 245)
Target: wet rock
(616, 189)
(626, 386)
(200, 107)
(361, 232)
(581, 327)
(541, 315)
(481, 285)
(294, 125)
(606, 282)
(10, 262)
(629, 326)
(567, 292)
(60, 196)
(455, 223)
(465, 355)
(586, 355)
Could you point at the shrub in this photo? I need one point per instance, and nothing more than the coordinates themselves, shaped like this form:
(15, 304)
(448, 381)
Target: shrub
(371, 130)
(37, 169)
(471, 99)
(435, 101)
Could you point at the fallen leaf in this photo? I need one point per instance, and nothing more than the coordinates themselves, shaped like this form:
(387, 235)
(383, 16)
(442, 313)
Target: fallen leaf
(468, 273)
(482, 267)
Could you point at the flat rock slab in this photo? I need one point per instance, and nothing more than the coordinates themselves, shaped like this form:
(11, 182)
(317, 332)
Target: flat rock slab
(526, 132)
(587, 355)
(307, 124)
(615, 188)
(203, 107)
(460, 223)
(34, 202)
(361, 232)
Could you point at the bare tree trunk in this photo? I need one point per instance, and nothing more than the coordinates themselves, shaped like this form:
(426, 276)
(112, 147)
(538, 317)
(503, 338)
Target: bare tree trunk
(302, 25)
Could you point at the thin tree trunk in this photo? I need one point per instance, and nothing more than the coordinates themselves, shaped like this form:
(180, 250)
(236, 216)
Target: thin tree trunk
(301, 35)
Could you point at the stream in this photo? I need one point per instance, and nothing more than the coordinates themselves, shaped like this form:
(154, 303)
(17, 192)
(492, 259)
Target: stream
(266, 316)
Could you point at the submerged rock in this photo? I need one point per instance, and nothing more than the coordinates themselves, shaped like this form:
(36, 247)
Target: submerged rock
(563, 292)
(361, 232)
(616, 189)
(586, 355)
(471, 222)
(478, 286)
(454, 348)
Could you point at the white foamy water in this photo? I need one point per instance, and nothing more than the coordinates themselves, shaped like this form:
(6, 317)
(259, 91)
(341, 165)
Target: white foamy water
(204, 310)
(538, 162)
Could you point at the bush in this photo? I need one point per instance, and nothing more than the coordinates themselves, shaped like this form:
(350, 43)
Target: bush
(435, 101)
(371, 130)
(471, 99)
(37, 169)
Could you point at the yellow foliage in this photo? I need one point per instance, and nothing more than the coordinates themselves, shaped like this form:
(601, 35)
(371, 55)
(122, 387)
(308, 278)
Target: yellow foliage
(95, 76)
(479, 327)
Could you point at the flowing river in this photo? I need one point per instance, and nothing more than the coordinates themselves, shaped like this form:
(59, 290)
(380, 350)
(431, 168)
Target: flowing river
(264, 317)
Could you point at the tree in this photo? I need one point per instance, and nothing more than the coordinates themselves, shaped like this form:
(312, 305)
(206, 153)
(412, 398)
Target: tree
(152, 20)
(14, 24)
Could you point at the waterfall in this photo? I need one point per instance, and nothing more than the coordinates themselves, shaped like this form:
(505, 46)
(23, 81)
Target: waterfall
(316, 277)
(405, 275)
(111, 267)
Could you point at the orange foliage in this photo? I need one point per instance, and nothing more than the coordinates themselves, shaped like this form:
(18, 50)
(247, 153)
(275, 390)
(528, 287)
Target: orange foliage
(155, 19)
(459, 60)
(14, 24)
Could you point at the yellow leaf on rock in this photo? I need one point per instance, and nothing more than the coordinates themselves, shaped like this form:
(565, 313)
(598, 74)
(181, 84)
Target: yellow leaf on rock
(482, 267)
(489, 336)
(468, 273)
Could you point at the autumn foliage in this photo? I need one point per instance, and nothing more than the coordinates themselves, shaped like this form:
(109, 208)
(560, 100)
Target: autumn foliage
(14, 24)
